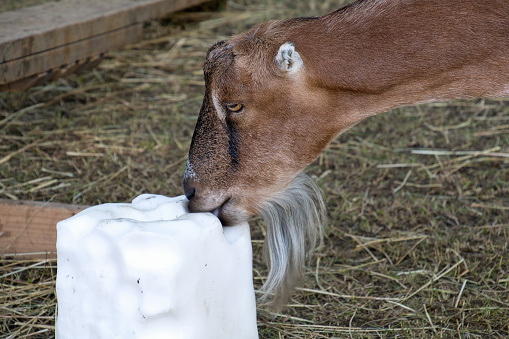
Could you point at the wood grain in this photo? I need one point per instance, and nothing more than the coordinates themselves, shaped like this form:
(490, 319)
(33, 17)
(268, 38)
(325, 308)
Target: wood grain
(29, 228)
(70, 53)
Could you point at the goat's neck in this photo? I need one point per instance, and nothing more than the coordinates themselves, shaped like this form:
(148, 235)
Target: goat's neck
(383, 54)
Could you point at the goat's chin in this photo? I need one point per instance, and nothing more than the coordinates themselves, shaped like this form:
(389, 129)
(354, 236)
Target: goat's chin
(294, 220)
(231, 214)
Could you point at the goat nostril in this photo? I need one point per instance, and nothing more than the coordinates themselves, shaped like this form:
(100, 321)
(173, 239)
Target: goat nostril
(190, 192)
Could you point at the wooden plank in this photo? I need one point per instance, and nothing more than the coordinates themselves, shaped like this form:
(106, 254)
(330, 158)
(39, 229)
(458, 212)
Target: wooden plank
(40, 29)
(30, 227)
(34, 29)
(70, 53)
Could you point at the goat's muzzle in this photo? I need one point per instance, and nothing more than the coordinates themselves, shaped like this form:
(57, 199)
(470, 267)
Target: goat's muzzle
(220, 204)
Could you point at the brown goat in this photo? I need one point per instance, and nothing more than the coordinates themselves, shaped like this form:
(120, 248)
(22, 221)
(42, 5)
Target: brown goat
(277, 95)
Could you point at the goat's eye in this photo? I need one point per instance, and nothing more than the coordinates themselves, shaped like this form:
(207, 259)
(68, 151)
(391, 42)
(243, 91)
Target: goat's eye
(234, 107)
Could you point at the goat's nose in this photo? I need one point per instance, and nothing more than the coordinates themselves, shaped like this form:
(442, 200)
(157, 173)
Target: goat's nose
(189, 182)
(189, 188)
(189, 191)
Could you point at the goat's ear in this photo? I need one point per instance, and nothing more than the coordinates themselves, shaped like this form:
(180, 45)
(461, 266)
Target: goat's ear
(287, 58)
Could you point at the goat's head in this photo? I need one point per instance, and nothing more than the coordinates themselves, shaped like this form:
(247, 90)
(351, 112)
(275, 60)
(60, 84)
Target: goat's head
(257, 126)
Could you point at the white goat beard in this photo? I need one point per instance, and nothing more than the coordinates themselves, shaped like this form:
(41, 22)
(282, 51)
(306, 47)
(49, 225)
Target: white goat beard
(294, 222)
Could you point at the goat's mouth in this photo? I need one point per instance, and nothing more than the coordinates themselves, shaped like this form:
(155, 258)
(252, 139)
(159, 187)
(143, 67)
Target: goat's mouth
(229, 212)
(217, 212)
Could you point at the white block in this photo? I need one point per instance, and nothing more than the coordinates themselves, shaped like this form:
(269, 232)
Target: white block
(151, 270)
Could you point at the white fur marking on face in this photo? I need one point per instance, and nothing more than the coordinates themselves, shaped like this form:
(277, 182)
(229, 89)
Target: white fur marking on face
(218, 107)
(288, 59)
(189, 172)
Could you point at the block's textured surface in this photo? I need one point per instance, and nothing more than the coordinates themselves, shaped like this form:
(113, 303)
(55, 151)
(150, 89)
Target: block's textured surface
(151, 270)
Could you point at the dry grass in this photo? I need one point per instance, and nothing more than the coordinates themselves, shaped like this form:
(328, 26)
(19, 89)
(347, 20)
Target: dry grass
(27, 301)
(417, 240)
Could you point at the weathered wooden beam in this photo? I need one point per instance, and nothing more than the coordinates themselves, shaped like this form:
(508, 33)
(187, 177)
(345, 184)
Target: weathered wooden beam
(69, 54)
(29, 228)
(44, 38)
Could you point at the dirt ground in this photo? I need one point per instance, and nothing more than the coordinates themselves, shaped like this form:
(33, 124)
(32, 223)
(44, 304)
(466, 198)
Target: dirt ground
(416, 243)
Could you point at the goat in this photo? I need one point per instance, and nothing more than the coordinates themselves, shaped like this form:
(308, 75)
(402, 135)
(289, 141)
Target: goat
(278, 94)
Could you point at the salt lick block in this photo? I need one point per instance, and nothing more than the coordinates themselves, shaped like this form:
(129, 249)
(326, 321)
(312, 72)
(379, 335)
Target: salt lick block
(151, 270)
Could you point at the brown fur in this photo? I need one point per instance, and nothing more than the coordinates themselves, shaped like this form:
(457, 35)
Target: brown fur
(361, 60)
